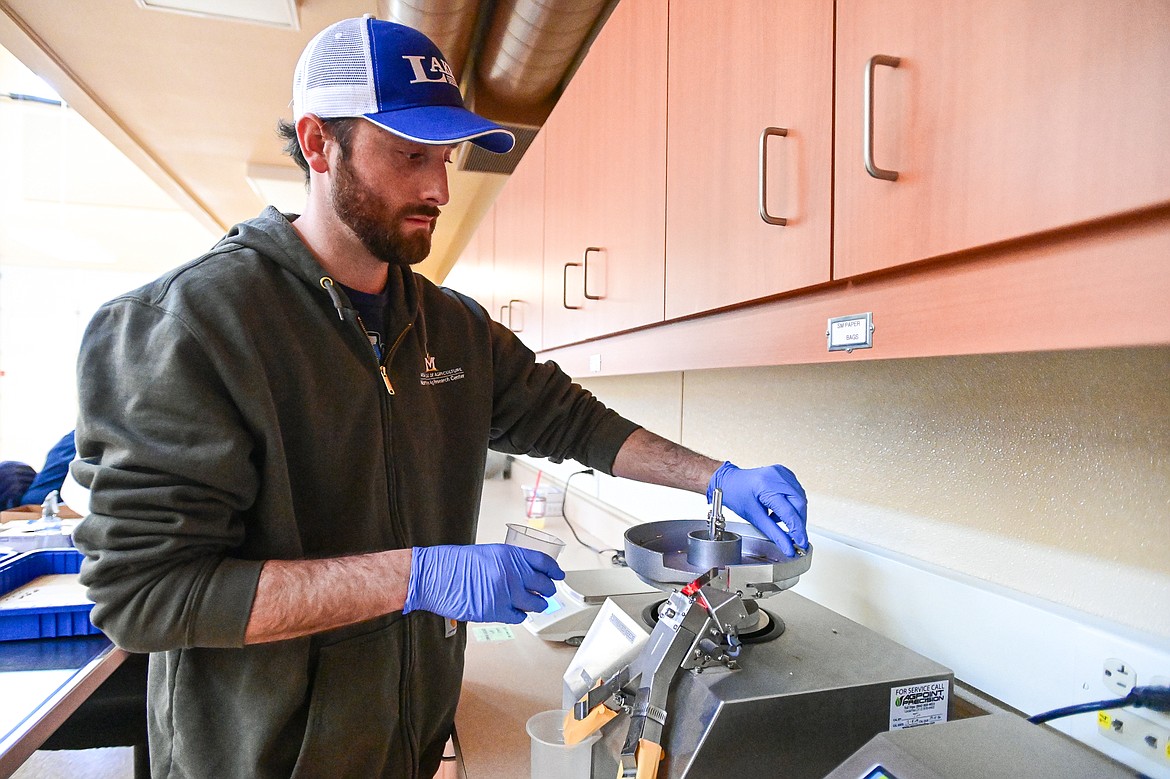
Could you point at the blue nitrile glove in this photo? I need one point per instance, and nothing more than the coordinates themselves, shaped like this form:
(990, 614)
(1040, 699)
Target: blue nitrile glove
(753, 492)
(480, 583)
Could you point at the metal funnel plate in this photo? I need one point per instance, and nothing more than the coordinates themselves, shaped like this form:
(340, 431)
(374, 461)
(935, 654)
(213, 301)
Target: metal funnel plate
(657, 553)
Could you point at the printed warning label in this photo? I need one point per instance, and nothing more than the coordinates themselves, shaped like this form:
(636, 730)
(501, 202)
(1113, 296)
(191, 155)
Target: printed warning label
(919, 704)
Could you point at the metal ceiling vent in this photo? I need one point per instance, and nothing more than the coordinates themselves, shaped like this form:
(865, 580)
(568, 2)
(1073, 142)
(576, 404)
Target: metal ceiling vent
(512, 58)
(478, 160)
(275, 13)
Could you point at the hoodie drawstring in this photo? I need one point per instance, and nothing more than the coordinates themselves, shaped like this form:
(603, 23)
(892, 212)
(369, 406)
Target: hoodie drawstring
(338, 303)
(422, 330)
(334, 295)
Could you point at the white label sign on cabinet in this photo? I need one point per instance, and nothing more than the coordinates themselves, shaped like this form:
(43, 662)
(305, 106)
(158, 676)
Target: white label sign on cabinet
(846, 333)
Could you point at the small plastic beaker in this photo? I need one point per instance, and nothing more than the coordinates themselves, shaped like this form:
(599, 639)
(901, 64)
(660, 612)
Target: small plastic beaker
(550, 755)
(536, 506)
(531, 538)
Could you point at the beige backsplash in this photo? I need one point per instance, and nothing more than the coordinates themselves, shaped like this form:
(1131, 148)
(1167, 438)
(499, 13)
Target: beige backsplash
(1063, 455)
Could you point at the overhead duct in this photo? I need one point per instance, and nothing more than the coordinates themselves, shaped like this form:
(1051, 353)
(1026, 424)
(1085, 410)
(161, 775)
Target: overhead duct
(529, 47)
(528, 52)
(516, 62)
(450, 24)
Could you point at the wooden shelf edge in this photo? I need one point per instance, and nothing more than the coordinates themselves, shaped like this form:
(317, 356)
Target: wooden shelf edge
(1108, 288)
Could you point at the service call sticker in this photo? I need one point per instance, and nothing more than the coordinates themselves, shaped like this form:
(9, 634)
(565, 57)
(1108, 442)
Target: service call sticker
(919, 704)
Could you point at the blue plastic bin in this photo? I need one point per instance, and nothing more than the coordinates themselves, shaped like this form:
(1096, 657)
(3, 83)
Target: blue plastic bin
(45, 621)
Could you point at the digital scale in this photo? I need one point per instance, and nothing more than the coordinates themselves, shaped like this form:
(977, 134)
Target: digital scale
(575, 604)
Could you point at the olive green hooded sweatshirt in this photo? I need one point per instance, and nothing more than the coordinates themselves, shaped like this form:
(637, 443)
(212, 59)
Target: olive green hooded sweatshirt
(232, 412)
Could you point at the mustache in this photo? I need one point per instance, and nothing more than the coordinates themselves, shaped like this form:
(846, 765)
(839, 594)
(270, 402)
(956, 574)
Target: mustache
(431, 212)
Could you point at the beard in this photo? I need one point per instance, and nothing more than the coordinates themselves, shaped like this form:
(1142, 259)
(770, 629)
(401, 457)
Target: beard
(377, 226)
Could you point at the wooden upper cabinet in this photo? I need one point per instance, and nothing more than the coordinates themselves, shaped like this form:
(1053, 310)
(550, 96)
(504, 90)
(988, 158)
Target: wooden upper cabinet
(1000, 118)
(519, 248)
(737, 69)
(605, 202)
(473, 273)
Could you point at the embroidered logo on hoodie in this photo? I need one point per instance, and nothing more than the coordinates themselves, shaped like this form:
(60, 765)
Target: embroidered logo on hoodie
(431, 374)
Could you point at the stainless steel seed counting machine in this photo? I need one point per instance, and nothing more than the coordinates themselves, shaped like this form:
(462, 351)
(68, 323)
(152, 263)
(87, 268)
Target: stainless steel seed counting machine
(718, 685)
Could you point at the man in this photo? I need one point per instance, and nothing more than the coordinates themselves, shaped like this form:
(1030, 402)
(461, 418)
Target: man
(285, 440)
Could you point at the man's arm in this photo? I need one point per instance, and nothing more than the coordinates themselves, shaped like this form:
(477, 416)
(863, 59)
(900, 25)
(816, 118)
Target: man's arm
(652, 459)
(469, 583)
(770, 498)
(300, 597)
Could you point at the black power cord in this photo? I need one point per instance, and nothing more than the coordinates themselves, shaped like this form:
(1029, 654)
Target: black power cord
(619, 556)
(1152, 697)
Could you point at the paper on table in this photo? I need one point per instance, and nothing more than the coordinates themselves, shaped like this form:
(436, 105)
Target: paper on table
(61, 589)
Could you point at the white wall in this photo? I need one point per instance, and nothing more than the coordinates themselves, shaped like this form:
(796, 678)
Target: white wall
(79, 224)
(43, 314)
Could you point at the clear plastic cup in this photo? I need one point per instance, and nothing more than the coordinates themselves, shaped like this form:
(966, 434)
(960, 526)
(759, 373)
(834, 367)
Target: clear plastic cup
(531, 538)
(553, 497)
(536, 506)
(550, 756)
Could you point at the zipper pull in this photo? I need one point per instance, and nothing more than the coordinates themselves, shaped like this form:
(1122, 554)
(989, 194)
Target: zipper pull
(386, 380)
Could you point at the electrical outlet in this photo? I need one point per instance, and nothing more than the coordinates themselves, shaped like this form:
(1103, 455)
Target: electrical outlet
(1137, 733)
(1118, 676)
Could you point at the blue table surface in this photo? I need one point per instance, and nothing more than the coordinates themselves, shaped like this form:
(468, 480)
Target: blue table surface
(33, 672)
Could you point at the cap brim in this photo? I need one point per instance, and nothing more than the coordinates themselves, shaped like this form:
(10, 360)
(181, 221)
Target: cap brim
(445, 124)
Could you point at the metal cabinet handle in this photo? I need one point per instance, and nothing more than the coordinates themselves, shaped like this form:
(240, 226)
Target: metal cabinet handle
(565, 285)
(585, 262)
(767, 133)
(510, 310)
(867, 122)
(500, 318)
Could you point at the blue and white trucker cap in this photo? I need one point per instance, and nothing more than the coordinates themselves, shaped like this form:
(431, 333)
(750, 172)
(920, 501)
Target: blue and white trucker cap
(395, 77)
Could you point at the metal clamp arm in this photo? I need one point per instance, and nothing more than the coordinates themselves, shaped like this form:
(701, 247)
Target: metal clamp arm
(595, 709)
(642, 750)
(669, 645)
(601, 692)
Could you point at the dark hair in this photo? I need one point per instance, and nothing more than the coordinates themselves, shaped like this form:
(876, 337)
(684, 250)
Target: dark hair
(339, 128)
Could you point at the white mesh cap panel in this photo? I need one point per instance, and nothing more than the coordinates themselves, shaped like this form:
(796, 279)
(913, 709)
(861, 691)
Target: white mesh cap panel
(334, 76)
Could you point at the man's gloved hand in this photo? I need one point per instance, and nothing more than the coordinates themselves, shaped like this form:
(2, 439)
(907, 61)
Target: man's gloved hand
(753, 492)
(480, 583)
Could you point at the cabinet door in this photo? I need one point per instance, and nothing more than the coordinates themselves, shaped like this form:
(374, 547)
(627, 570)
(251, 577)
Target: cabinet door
(519, 275)
(737, 69)
(472, 274)
(605, 208)
(1000, 119)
